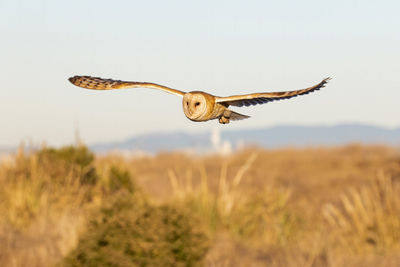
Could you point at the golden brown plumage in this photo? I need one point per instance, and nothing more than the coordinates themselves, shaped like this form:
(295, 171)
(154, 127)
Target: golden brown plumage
(198, 105)
(97, 83)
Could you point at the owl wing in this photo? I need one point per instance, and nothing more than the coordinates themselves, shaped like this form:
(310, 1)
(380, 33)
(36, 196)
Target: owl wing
(97, 83)
(262, 98)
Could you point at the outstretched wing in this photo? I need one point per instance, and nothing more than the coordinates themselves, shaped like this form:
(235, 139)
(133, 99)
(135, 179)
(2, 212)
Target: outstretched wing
(262, 98)
(97, 83)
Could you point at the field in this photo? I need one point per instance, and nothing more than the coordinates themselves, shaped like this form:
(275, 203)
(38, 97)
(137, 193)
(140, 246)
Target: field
(325, 206)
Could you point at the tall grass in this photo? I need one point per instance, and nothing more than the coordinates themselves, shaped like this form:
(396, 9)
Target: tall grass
(367, 220)
(290, 207)
(253, 215)
(42, 203)
(58, 203)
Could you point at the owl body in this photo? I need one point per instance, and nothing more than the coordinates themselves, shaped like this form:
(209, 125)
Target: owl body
(198, 105)
(201, 106)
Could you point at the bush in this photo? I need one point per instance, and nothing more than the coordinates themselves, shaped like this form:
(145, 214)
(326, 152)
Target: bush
(79, 158)
(130, 232)
(120, 179)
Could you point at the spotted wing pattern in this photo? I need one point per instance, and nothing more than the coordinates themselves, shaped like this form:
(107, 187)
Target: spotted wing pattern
(97, 83)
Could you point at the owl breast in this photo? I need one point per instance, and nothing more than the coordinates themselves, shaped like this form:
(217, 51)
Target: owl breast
(198, 106)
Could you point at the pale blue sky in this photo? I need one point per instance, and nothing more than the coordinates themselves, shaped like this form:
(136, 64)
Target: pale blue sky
(225, 47)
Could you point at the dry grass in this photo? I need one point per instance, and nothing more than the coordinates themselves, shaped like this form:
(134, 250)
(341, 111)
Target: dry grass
(262, 215)
(288, 207)
(367, 219)
(284, 207)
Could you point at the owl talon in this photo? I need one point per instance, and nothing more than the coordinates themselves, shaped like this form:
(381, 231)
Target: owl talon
(223, 120)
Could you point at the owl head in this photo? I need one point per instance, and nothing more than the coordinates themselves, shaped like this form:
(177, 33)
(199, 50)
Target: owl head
(195, 105)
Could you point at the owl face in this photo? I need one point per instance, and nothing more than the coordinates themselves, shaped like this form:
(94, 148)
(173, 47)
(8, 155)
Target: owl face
(195, 106)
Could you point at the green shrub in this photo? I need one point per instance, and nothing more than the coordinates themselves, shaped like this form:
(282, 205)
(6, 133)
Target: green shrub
(130, 232)
(120, 179)
(80, 158)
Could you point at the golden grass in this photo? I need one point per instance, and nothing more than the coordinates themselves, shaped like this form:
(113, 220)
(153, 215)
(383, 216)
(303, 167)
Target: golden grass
(367, 219)
(289, 207)
(261, 215)
(41, 218)
(279, 209)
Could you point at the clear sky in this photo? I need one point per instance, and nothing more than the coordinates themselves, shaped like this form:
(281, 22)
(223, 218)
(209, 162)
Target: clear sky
(224, 47)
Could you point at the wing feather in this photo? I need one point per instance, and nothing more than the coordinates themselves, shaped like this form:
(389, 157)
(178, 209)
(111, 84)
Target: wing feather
(262, 98)
(97, 83)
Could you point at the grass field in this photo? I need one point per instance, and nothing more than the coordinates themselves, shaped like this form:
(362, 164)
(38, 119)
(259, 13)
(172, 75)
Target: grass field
(337, 206)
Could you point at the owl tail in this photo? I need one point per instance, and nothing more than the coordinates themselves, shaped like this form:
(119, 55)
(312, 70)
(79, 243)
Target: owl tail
(234, 116)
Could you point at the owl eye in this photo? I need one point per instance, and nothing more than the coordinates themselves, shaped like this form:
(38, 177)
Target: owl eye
(197, 103)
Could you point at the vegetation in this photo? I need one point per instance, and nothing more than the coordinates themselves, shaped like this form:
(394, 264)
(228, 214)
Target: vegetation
(130, 233)
(289, 207)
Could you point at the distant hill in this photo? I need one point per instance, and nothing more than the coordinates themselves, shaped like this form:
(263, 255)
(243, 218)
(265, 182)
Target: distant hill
(270, 137)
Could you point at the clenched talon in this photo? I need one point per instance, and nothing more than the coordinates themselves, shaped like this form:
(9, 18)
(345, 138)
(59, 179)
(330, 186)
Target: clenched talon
(223, 120)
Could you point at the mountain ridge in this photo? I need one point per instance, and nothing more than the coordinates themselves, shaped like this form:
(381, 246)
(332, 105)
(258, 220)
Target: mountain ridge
(266, 137)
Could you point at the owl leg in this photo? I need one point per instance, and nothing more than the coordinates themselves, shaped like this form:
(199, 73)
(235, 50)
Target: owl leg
(229, 115)
(223, 120)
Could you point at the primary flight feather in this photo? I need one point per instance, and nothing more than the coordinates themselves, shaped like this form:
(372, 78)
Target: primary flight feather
(198, 105)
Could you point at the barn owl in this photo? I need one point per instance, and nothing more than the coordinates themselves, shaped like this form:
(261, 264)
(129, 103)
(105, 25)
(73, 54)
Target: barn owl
(198, 105)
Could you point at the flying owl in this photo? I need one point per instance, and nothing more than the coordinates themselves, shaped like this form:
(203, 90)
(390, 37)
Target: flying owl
(198, 105)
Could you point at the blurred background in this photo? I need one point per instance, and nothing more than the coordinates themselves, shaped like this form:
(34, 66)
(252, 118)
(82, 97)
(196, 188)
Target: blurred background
(123, 178)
